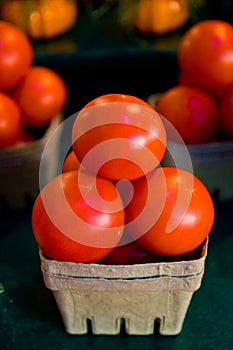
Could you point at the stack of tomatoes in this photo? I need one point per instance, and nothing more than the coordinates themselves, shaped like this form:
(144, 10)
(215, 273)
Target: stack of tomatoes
(200, 106)
(30, 96)
(113, 202)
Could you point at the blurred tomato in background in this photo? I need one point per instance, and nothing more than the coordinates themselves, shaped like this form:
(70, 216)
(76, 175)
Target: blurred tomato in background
(16, 55)
(192, 111)
(205, 55)
(41, 94)
(10, 121)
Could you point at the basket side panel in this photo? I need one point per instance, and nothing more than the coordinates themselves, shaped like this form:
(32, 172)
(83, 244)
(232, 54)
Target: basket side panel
(19, 171)
(177, 306)
(138, 310)
(192, 266)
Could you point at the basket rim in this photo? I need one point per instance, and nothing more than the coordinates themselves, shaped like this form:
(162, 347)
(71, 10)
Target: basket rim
(180, 268)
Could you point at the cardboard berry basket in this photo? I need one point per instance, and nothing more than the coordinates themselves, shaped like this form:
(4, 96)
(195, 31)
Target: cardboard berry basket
(212, 163)
(19, 170)
(136, 296)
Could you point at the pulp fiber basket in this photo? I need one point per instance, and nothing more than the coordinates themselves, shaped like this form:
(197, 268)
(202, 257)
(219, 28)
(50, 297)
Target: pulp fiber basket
(131, 295)
(19, 170)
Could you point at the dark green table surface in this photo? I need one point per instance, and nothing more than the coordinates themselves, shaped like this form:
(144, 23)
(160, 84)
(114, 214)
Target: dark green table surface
(29, 318)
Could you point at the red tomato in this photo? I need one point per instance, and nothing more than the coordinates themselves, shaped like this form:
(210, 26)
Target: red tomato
(177, 215)
(192, 111)
(71, 162)
(16, 55)
(119, 136)
(217, 94)
(205, 55)
(226, 112)
(78, 217)
(41, 95)
(116, 98)
(128, 254)
(10, 121)
(183, 80)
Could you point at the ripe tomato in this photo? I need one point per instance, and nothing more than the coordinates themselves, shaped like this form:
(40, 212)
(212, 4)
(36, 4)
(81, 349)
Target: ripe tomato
(16, 55)
(116, 98)
(128, 254)
(119, 136)
(192, 111)
(177, 215)
(41, 95)
(10, 121)
(77, 217)
(226, 112)
(217, 94)
(71, 162)
(205, 55)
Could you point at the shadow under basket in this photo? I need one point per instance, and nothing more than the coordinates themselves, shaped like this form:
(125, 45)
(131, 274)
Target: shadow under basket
(134, 296)
(19, 170)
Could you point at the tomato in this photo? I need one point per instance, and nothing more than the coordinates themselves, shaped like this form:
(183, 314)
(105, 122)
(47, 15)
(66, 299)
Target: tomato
(10, 121)
(119, 136)
(16, 55)
(217, 94)
(226, 112)
(128, 254)
(71, 162)
(77, 217)
(171, 212)
(192, 111)
(116, 98)
(183, 80)
(205, 55)
(41, 95)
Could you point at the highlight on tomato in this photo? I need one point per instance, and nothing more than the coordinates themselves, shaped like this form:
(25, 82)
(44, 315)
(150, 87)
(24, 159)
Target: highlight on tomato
(119, 136)
(171, 212)
(78, 217)
(16, 55)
